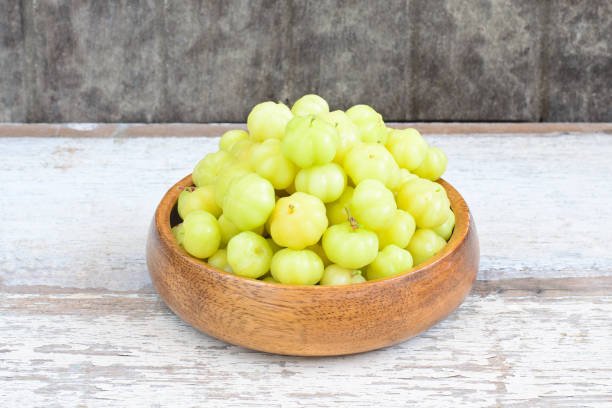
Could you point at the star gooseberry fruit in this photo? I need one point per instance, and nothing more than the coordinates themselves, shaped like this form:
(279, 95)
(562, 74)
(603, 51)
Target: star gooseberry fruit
(298, 221)
(309, 141)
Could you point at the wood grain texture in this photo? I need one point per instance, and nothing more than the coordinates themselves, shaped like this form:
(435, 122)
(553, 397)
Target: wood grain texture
(578, 70)
(127, 349)
(203, 61)
(540, 203)
(352, 52)
(312, 320)
(12, 62)
(485, 64)
(217, 49)
(94, 60)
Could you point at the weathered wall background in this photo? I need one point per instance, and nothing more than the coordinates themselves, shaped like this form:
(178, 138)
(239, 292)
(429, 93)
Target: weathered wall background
(210, 61)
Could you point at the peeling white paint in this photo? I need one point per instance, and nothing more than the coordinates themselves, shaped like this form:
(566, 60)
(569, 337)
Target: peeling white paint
(78, 209)
(82, 126)
(494, 351)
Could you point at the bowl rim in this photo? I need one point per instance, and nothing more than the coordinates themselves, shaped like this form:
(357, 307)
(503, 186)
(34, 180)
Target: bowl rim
(458, 237)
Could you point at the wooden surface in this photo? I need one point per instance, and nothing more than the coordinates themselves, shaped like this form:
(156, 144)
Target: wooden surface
(80, 323)
(312, 320)
(211, 61)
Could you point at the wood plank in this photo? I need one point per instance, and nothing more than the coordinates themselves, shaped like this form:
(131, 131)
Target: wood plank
(93, 349)
(552, 287)
(12, 62)
(465, 74)
(351, 55)
(578, 53)
(126, 130)
(94, 62)
(150, 60)
(221, 59)
(79, 208)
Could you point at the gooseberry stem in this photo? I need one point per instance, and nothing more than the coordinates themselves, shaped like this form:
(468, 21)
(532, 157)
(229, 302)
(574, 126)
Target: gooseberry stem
(190, 188)
(351, 220)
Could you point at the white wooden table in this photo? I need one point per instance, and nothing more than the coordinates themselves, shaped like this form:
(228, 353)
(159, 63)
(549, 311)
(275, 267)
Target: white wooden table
(81, 325)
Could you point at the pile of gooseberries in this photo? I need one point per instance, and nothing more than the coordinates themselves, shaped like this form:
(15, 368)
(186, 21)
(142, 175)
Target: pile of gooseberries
(308, 196)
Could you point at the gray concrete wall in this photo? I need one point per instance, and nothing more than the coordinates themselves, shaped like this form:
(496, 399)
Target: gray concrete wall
(210, 61)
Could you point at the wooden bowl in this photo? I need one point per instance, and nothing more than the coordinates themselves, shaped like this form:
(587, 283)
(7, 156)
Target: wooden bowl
(311, 320)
